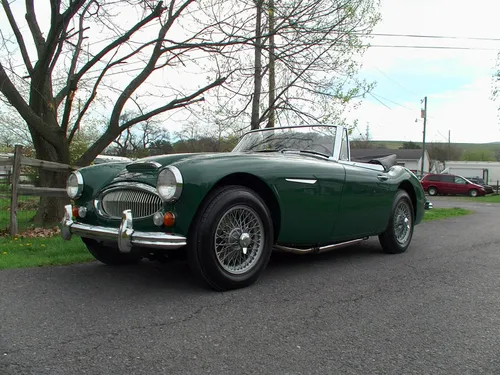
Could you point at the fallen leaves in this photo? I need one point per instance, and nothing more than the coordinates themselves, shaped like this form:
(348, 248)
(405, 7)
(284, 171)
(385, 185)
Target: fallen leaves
(33, 233)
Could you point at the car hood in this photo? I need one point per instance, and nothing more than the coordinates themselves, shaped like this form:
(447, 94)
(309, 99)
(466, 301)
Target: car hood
(146, 169)
(165, 160)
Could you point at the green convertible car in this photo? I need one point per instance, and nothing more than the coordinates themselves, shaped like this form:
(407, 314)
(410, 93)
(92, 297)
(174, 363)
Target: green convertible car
(292, 189)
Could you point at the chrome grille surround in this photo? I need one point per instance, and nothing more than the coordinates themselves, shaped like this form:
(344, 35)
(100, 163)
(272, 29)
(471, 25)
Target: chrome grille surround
(142, 199)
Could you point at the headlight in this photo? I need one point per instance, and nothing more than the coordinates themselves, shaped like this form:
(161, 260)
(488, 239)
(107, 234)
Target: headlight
(169, 184)
(74, 185)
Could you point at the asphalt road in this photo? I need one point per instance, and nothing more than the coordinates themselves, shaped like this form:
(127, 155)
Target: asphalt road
(433, 310)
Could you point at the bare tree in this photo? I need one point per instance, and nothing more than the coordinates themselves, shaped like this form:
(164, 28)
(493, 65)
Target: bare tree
(13, 130)
(86, 56)
(311, 48)
(135, 142)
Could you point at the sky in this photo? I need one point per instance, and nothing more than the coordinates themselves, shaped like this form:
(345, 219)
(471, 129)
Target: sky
(457, 83)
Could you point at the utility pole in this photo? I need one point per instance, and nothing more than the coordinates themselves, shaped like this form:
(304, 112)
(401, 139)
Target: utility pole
(449, 145)
(423, 114)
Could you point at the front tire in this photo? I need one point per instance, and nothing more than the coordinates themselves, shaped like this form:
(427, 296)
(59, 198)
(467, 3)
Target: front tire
(473, 193)
(432, 191)
(110, 255)
(231, 241)
(399, 232)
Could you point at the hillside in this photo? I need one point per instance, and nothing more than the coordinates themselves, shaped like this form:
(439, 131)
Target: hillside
(469, 151)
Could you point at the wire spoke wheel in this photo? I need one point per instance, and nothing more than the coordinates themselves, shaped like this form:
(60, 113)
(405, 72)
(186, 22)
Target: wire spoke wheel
(239, 239)
(402, 222)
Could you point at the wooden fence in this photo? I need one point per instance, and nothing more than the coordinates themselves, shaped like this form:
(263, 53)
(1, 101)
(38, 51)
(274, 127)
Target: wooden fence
(16, 162)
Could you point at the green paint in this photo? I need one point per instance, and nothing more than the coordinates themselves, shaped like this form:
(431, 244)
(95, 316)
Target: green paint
(347, 201)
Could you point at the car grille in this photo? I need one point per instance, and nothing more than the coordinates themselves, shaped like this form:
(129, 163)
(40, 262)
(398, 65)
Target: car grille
(141, 203)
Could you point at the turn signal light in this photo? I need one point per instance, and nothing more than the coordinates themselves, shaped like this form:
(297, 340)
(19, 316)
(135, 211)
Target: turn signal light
(74, 211)
(169, 219)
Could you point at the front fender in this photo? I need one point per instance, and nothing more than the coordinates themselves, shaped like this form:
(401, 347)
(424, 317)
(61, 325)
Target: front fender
(95, 177)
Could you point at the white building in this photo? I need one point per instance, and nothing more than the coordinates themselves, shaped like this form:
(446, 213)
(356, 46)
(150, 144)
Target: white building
(489, 171)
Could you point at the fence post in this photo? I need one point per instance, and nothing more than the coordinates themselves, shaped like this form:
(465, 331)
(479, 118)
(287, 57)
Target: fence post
(16, 171)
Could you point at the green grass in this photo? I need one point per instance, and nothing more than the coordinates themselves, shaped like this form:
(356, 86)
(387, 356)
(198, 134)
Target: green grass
(49, 250)
(18, 252)
(472, 147)
(26, 211)
(485, 199)
(444, 213)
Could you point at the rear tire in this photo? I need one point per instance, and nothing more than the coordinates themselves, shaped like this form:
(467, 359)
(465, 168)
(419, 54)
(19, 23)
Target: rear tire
(232, 218)
(432, 191)
(397, 237)
(110, 255)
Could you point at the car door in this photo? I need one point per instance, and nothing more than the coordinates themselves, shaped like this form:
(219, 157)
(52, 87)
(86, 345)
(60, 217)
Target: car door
(366, 201)
(460, 185)
(446, 184)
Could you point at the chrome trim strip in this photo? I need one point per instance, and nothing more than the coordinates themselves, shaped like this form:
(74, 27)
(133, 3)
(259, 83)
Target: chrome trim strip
(125, 236)
(301, 180)
(131, 185)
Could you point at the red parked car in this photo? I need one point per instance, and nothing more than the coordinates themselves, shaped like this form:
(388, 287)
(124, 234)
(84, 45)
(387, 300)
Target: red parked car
(436, 184)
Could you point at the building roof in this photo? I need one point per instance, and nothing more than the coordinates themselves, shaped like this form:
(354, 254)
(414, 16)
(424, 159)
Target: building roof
(372, 153)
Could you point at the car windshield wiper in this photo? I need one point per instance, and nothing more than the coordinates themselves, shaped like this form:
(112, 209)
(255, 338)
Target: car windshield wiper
(305, 151)
(293, 149)
(270, 150)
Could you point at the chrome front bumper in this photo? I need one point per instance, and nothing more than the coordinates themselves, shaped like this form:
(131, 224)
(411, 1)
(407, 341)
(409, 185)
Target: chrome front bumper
(125, 236)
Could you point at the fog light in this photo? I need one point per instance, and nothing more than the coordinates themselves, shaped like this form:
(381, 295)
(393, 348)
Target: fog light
(74, 211)
(169, 219)
(158, 219)
(82, 211)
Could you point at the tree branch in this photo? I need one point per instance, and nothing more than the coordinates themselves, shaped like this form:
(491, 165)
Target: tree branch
(90, 99)
(148, 69)
(19, 37)
(70, 83)
(35, 28)
(112, 132)
(157, 11)
(174, 104)
(16, 100)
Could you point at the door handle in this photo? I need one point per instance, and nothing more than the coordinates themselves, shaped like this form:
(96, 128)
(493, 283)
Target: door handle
(383, 177)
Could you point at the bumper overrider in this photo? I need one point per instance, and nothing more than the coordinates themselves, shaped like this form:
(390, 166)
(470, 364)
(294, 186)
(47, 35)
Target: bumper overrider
(125, 236)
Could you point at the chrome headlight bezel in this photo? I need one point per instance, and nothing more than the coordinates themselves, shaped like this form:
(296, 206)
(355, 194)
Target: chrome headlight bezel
(74, 185)
(169, 184)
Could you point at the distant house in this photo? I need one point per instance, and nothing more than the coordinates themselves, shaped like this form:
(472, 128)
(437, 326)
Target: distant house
(409, 158)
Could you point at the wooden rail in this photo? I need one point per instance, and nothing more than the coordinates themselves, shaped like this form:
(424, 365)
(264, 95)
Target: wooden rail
(17, 161)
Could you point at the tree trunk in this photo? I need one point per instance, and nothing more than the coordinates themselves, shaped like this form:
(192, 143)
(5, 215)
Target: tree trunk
(258, 67)
(50, 209)
(272, 59)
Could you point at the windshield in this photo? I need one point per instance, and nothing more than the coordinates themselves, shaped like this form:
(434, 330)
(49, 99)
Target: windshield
(313, 139)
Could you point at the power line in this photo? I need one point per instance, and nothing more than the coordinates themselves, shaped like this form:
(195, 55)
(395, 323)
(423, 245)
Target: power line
(436, 37)
(432, 47)
(378, 100)
(393, 102)
(397, 83)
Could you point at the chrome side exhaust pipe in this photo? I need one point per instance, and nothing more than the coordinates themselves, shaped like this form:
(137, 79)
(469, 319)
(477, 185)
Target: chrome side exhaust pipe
(320, 249)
